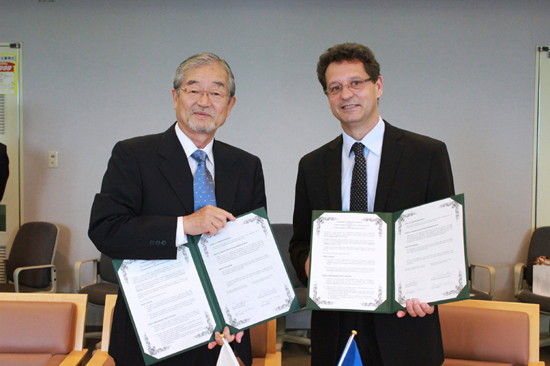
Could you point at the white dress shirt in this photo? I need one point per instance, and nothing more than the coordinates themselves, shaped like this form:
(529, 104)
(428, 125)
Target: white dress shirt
(373, 152)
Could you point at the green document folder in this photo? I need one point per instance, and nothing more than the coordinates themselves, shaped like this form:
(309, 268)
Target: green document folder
(374, 262)
(217, 312)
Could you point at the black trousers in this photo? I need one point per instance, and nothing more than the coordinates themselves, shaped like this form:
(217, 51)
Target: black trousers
(366, 340)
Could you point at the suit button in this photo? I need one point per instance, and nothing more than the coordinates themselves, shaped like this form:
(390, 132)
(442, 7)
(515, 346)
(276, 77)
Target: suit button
(158, 242)
(164, 242)
(152, 242)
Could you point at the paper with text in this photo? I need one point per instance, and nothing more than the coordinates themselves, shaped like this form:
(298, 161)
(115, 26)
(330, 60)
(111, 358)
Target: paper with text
(171, 313)
(350, 255)
(246, 272)
(429, 252)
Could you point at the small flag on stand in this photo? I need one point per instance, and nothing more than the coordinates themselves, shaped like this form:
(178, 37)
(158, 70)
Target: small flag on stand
(227, 357)
(350, 356)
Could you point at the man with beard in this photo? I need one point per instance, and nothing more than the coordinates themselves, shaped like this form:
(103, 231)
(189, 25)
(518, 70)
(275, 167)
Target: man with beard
(148, 205)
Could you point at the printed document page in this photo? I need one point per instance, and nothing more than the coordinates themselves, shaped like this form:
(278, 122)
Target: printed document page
(168, 304)
(429, 252)
(246, 271)
(349, 251)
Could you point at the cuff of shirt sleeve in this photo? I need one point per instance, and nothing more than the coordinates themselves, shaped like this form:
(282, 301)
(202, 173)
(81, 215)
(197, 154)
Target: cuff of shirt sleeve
(181, 238)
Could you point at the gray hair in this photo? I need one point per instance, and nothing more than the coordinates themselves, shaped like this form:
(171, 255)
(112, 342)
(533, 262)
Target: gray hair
(203, 59)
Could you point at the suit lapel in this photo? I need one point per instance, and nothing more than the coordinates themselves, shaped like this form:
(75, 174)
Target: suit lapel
(333, 173)
(226, 179)
(176, 168)
(392, 148)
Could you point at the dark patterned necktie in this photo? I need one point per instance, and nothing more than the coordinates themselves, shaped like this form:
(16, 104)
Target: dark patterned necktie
(203, 184)
(358, 194)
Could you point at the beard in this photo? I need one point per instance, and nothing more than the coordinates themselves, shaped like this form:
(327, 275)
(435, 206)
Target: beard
(202, 128)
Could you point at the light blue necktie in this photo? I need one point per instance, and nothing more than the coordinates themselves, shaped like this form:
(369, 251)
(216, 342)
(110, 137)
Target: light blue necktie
(203, 185)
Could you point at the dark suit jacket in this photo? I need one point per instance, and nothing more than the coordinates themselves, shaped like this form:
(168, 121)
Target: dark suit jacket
(414, 170)
(148, 184)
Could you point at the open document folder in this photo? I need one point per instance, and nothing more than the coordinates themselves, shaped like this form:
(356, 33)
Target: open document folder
(235, 278)
(376, 261)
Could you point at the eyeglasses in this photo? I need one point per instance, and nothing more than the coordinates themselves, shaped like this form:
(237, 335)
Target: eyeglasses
(355, 86)
(195, 92)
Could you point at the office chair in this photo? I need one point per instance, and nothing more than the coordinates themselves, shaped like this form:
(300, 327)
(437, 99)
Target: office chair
(523, 276)
(30, 265)
(104, 283)
(475, 292)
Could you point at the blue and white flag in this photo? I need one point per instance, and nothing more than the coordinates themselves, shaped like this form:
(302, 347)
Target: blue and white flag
(350, 356)
(227, 357)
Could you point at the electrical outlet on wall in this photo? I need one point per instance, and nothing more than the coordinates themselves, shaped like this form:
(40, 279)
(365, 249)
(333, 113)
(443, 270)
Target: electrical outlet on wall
(52, 159)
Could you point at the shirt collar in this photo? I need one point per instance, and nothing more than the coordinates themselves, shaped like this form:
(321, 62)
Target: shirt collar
(373, 140)
(189, 147)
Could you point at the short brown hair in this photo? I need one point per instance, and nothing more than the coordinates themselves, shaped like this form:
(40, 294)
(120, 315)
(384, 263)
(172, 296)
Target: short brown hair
(347, 52)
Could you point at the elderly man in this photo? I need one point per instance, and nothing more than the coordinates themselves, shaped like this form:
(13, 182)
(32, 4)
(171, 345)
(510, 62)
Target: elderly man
(372, 166)
(148, 204)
